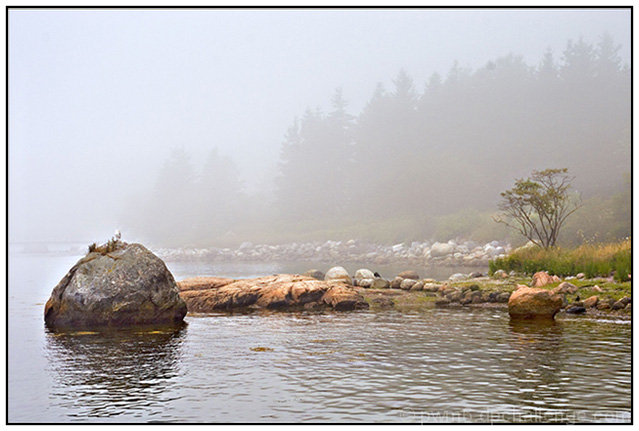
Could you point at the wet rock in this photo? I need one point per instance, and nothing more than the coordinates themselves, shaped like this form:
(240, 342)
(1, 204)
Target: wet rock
(338, 273)
(315, 273)
(362, 274)
(533, 302)
(396, 283)
(409, 274)
(380, 283)
(475, 274)
(542, 278)
(125, 287)
(407, 283)
(575, 309)
(276, 292)
(591, 302)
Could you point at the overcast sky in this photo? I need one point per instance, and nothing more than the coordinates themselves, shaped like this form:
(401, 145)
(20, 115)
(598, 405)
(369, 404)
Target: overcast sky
(98, 98)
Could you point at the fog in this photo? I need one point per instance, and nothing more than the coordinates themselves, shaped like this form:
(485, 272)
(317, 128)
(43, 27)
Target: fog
(212, 127)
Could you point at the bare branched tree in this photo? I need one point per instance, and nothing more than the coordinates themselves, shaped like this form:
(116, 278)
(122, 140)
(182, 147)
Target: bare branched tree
(537, 207)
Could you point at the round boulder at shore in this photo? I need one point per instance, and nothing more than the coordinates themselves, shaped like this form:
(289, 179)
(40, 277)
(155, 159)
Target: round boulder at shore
(338, 273)
(127, 286)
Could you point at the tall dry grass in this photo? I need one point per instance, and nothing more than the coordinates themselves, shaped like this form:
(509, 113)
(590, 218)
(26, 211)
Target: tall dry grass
(594, 260)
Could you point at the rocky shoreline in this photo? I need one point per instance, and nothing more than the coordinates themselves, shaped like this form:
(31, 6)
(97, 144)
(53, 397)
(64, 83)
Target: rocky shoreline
(451, 253)
(315, 290)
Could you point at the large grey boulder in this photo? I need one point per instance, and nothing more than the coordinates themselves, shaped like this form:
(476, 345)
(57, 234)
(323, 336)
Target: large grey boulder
(123, 287)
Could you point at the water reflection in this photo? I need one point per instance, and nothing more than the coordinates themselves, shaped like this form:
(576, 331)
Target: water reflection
(100, 374)
(537, 361)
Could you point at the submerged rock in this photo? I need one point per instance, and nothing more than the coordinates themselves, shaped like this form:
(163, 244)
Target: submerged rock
(533, 302)
(275, 292)
(124, 287)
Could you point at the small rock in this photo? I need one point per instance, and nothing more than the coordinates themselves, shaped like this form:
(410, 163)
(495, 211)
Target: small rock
(565, 287)
(409, 274)
(396, 283)
(380, 283)
(500, 273)
(502, 297)
(441, 249)
(475, 274)
(591, 302)
(442, 302)
(618, 305)
(338, 273)
(429, 287)
(458, 277)
(581, 276)
(575, 309)
(315, 273)
(419, 285)
(542, 278)
(364, 273)
(365, 283)
(407, 283)
(603, 305)
(597, 288)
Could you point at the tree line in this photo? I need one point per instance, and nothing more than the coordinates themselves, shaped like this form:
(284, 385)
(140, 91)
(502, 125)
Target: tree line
(412, 157)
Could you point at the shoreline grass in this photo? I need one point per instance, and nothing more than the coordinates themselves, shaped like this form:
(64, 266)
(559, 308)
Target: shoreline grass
(594, 260)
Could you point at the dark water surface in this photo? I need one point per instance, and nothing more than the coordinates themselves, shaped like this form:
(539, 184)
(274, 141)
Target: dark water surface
(435, 366)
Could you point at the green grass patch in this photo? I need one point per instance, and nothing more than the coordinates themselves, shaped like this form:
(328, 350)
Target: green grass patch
(594, 260)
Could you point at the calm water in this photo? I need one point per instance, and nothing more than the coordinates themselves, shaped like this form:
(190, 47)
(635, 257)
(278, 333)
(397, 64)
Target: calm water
(435, 366)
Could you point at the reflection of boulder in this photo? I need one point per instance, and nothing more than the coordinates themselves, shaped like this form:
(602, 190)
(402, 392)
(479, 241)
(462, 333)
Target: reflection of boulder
(123, 286)
(103, 374)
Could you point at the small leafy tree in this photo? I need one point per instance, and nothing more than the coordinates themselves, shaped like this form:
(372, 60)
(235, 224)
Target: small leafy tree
(538, 206)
